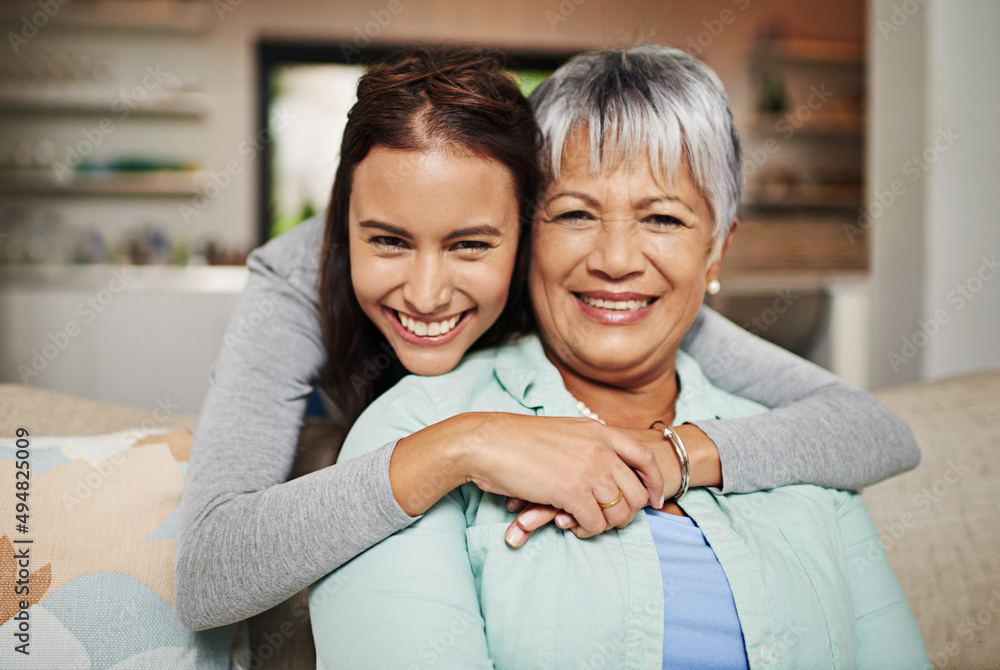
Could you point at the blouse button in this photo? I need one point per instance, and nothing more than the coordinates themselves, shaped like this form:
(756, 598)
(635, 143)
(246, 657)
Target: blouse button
(765, 653)
(723, 533)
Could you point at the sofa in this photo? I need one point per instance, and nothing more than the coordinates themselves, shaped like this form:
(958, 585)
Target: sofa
(937, 523)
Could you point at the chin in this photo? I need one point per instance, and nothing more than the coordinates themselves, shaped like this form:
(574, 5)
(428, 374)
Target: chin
(429, 365)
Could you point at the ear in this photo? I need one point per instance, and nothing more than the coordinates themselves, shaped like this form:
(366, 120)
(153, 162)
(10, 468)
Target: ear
(712, 273)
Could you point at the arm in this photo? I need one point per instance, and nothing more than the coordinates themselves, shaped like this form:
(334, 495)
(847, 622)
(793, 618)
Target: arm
(247, 539)
(886, 634)
(822, 431)
(410, 601)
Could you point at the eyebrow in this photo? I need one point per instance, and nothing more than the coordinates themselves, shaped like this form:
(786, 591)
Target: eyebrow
(645, 202)
(386, 227)
(472, 231)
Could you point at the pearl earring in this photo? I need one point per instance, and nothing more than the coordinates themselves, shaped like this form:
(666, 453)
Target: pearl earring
(714, 287)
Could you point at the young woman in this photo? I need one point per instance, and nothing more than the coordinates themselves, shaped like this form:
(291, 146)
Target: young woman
(438, 176)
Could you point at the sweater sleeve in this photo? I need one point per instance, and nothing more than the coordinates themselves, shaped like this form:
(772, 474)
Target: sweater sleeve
(247, 538)
(821, 431)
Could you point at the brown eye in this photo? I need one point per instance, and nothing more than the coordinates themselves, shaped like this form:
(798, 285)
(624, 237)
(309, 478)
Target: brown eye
(665, 220)
(575, 215)
(388, 241)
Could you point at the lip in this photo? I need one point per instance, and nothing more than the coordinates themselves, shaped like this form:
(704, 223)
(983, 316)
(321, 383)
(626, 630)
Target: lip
(614, 317)
(435, 341)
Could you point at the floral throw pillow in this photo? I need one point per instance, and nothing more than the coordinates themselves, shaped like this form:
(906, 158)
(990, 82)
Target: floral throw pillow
(87, 537)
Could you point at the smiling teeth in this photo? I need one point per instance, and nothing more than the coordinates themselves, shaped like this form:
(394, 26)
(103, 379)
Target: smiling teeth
(623, 305)
(424, 329)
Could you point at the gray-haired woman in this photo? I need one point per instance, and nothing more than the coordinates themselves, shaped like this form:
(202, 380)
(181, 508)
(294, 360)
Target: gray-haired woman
(644, 179)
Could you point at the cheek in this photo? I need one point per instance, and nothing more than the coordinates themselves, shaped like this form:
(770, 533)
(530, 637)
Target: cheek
(369, 278)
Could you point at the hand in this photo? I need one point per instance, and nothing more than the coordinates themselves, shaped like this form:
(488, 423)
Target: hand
(706, 470)
(571, 464)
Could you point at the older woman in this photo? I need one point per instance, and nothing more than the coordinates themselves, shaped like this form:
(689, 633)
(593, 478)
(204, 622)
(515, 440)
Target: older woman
(644, 167)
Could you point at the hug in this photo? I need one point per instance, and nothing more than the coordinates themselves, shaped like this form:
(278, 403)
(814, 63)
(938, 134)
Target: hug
(557, 483)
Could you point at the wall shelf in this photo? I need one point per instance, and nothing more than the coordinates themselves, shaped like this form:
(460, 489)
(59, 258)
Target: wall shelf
(182, 104)
(171, 183)
(191, 17)
(818, 52)
(819, 125)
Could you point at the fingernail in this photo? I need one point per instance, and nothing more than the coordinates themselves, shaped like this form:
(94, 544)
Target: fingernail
(514, 536)
(562, 520)
(663, 501)
(529, 517)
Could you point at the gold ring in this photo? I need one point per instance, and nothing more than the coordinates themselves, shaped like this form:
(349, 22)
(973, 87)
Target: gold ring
(613, 503)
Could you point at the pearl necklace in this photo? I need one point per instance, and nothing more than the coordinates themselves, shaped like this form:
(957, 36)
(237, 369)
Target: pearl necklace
(586, 412)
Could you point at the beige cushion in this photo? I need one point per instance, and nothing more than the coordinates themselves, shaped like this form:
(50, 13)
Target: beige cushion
(939, 522)
(49, 413)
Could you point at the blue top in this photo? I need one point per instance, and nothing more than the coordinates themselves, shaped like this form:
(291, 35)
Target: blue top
(701, 628)
(448, 592)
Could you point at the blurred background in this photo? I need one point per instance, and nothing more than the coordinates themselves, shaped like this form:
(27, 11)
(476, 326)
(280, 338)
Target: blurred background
(146, 146)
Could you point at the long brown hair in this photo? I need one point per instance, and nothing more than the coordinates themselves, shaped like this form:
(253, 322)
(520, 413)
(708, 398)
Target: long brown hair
(424, 98)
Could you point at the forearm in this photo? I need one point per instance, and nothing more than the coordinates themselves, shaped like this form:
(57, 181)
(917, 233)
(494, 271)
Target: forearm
(251, 551)
(836, 439)
(428, 464)
(824, 431)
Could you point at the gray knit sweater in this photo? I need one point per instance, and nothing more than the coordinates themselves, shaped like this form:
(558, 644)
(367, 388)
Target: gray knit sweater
(248, 539)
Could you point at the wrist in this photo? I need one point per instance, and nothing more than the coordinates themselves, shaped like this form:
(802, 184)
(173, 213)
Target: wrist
(706, 466)
(428, 464)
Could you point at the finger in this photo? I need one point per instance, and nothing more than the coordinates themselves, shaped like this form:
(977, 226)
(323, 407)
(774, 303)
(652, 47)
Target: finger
(535, 517)
(515, 504)
(643, 461)
(632, 497)
(527, 523)
(566, 521)
(590, 516)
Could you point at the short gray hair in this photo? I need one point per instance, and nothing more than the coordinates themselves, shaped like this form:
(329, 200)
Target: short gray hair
(650, 97)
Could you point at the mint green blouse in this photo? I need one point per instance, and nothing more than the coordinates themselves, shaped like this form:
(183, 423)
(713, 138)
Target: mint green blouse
(448, 592)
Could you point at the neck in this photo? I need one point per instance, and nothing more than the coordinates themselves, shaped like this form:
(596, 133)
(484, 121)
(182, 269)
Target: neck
(630, 405)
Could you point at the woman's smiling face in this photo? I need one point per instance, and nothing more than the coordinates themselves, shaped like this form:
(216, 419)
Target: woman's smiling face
(433, 240)
(619, 267)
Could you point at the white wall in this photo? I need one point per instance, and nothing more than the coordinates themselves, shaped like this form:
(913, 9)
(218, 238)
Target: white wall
(934, 95)
(963, 206)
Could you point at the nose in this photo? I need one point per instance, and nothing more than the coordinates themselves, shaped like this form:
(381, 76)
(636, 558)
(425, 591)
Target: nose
(617, 253)
(428, 285)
